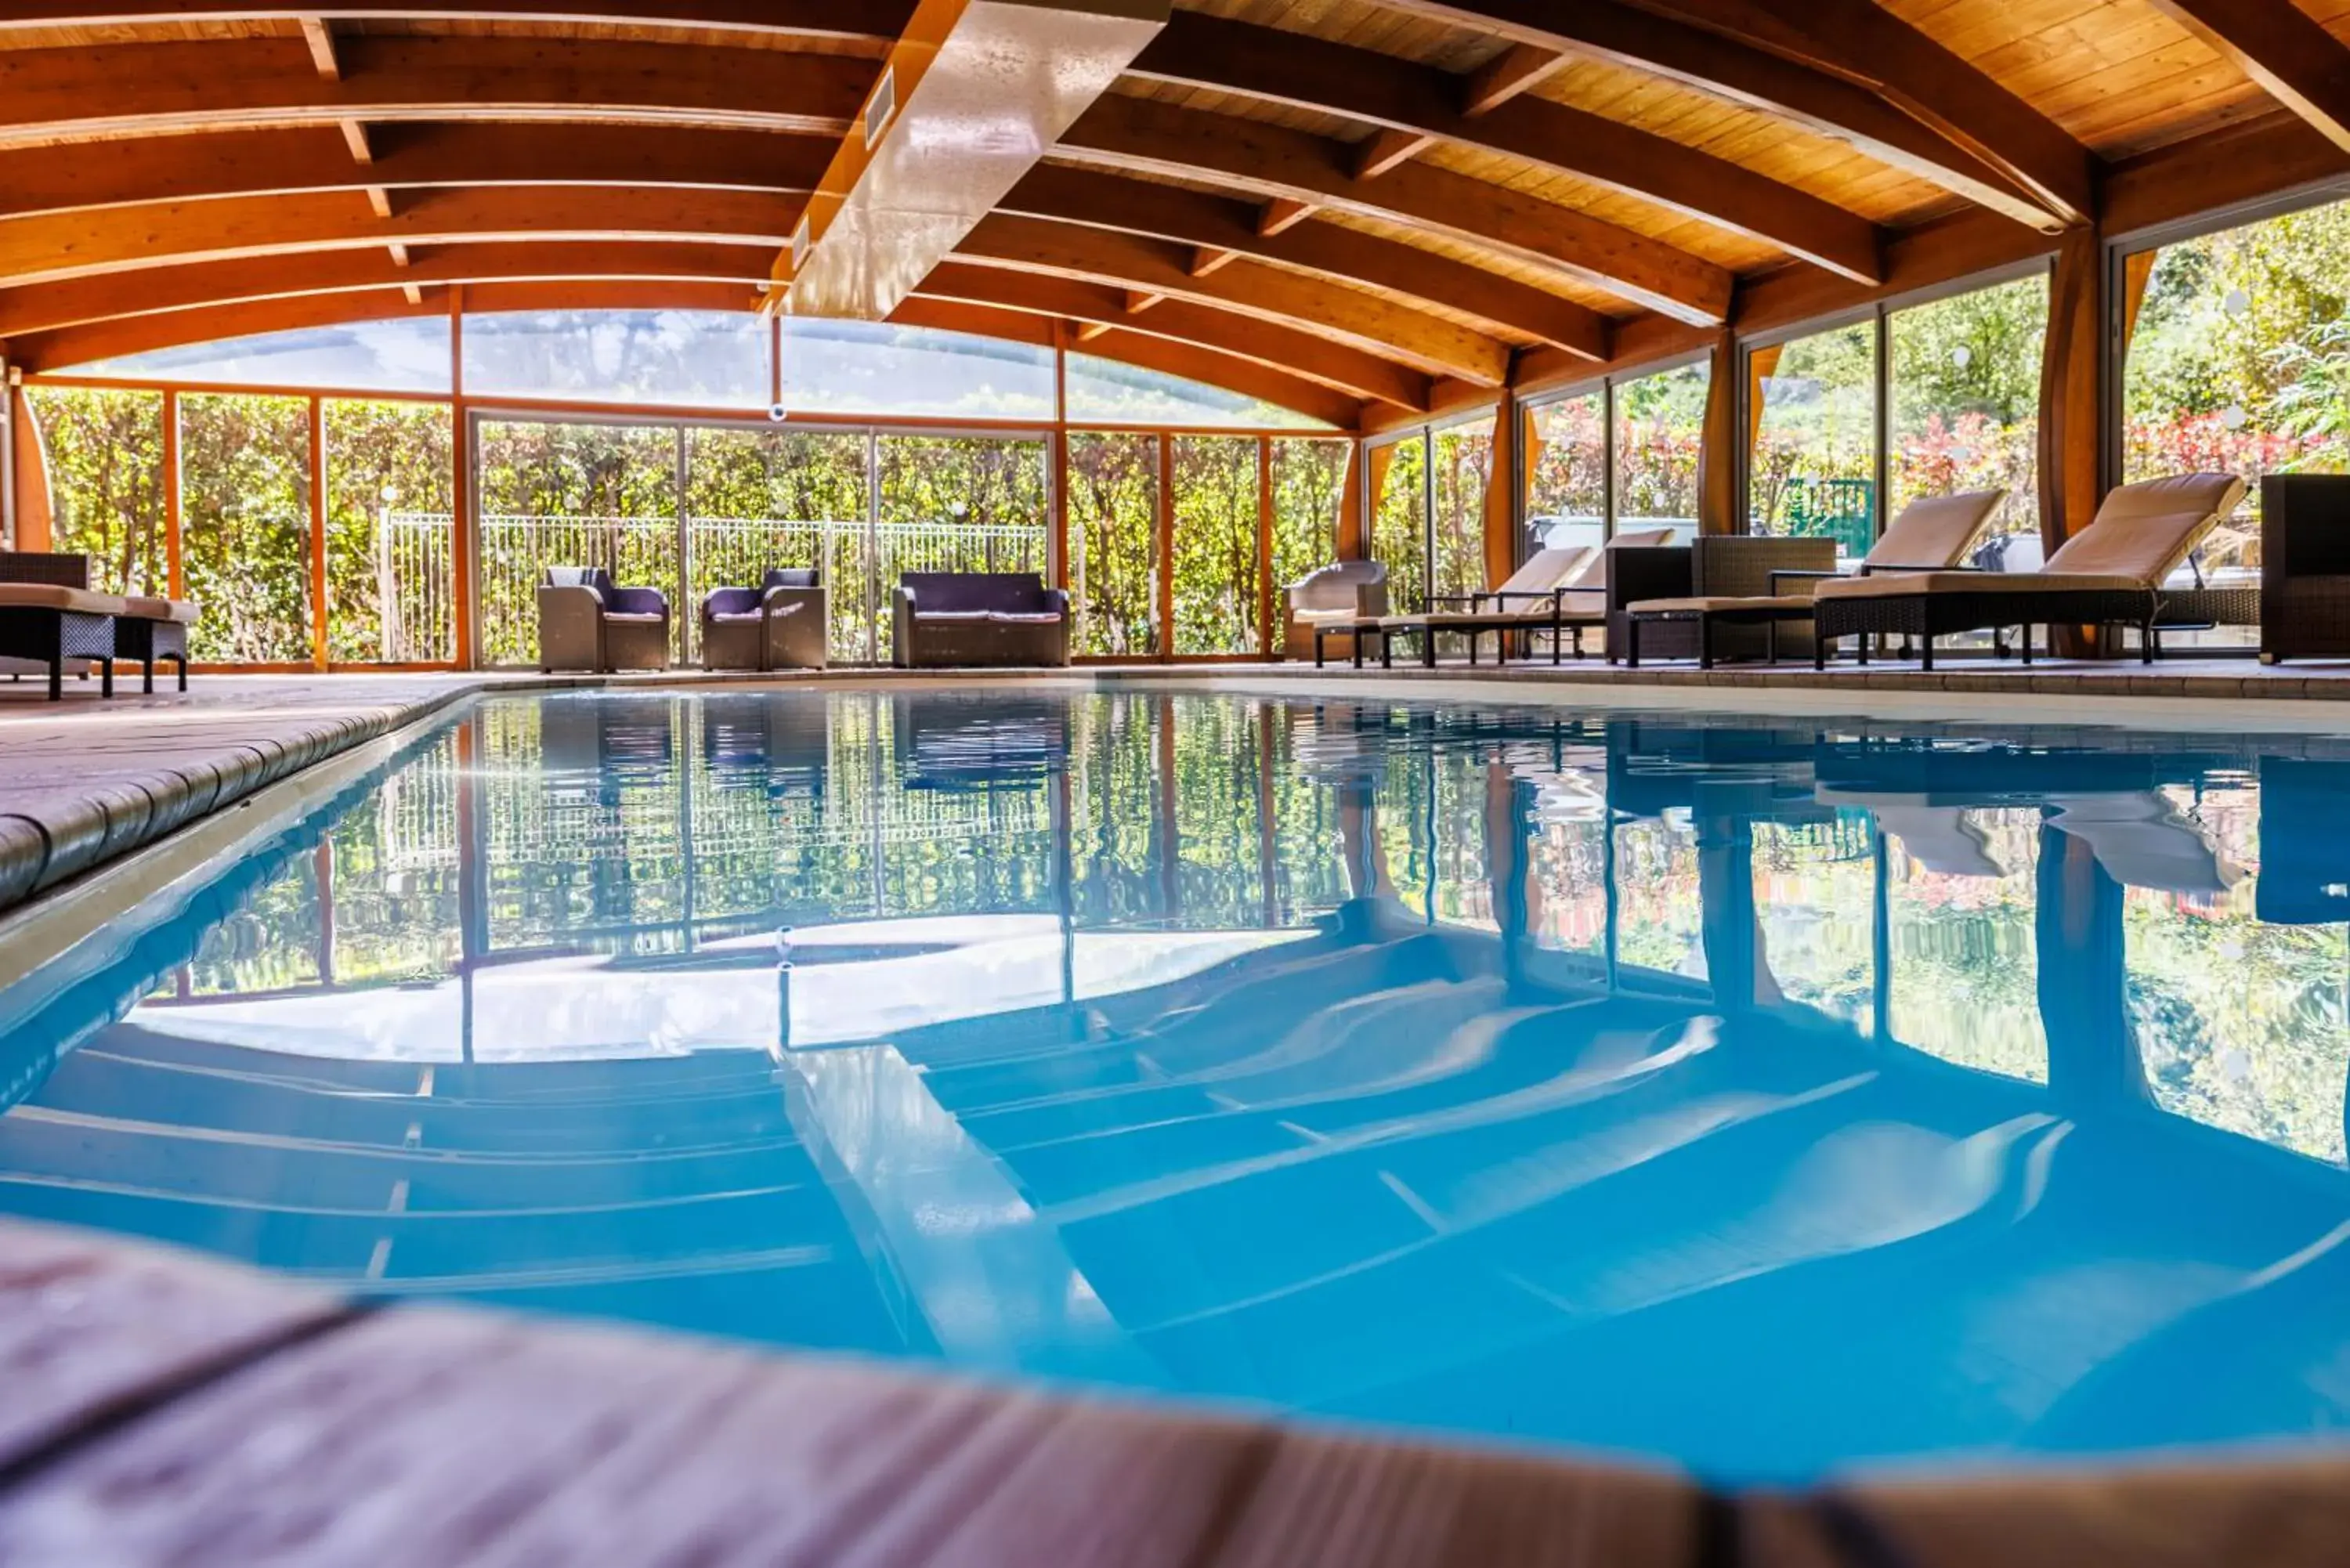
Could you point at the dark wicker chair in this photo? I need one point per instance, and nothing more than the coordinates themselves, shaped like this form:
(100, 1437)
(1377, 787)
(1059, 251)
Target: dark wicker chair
(948, 619)
(779, 625)
(585, 621)
(1714, 566)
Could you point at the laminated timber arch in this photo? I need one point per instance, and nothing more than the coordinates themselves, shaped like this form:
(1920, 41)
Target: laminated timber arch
(1384, 205)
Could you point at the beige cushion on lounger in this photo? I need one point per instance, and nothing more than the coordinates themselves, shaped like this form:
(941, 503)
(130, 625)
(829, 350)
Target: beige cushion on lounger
(2144, 530)
(49, 596)
(179, 610)
(1934, 530)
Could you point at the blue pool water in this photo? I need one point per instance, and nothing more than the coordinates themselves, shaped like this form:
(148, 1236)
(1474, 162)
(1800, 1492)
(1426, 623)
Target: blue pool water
(1773, 1097)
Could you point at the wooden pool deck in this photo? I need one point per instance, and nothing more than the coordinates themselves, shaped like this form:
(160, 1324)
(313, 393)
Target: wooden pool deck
(164, 1408)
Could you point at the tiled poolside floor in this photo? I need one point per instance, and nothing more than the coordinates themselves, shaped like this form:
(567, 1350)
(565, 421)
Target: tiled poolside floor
(89, 779)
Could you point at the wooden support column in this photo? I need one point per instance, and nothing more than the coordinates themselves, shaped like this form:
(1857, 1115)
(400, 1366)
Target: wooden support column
(1353, 540)
(1719, 459)
(1268, 633)
(1060, 492)
(29, 463)
(1164, 609)
(1377, 460)
(1500, 495)
(317, 534)
(462, 541)
(2071, 435)
(175, 560)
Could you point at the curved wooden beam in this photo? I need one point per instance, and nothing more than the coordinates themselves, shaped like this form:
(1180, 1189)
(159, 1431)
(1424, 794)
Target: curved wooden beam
(2288, 52)
(66, 349)
(1824, 102)
(132, 241)
(1157, 268)
(1300, 353)
(844, 19)
(155, 89)
(1862, 39)
(309, 159)
(1188, 143)
(1200, 50)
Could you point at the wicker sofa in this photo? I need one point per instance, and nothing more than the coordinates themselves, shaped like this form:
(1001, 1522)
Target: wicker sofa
(943, 620)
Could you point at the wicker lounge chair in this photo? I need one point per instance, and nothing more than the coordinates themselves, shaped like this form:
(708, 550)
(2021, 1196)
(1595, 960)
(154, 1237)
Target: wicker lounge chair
(1932, 535)
(55, 630)
(779, 625)
(2110, 574)
(1562, 591)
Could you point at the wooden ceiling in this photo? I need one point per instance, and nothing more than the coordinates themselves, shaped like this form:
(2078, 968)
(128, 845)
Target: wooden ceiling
(1344, 206)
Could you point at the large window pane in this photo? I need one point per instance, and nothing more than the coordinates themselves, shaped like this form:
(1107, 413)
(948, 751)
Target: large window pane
(1113, 532)
(959, 504)
(391, 583)
(1214, 549)
(556, 494)
(408, 355)
(762, 498)
(1113, 391)
(1659, 424)
(1399, 520)
(1566, 471)
(705, 359)
(1965, 400)
(105, 453)
(245, 526)
(2240, 363)
(1309, 483)
(1463, 456)
(1814, 458)
(874, 367)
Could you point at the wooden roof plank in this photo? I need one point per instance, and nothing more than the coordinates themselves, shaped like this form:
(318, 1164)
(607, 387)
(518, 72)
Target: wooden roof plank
(2292, 56)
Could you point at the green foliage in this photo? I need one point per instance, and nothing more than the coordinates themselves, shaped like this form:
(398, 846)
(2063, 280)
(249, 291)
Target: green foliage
(1113, 509)
(1214, 556)
(1399, 520)
(104, 451)
(1660, 426)
(1309, 481)
(1566, 450)
(1463, 458)
(244, 526)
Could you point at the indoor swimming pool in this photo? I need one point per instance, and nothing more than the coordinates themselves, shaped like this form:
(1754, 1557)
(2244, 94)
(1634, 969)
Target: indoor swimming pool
(1771, 1096)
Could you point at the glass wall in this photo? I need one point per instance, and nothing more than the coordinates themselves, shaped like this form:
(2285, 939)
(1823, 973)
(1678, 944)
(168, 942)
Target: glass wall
(1215, 549)
(1309, 486)
(1961, 385)
(581, 466)
(1965, 412)
(1399, 519)
(1113, 506)
(1812, 468)
(104, 451)
(1566, 470)
(1659, 424)
(2238, 360)
(1461, 458)
(245, 526)
(391, 570)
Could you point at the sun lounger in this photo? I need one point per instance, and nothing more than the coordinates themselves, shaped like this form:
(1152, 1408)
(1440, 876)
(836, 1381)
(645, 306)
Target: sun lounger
(2110, 574)
(1931, 534)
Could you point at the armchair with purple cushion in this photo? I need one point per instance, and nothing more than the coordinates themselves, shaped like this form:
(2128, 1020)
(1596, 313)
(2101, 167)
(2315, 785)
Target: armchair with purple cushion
(585, 621)
(780, 625)
(943, 619)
